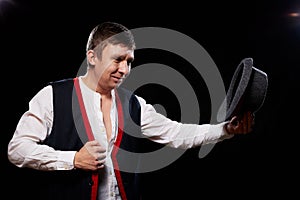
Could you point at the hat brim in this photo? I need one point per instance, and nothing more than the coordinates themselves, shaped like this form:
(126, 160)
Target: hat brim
(246, 92)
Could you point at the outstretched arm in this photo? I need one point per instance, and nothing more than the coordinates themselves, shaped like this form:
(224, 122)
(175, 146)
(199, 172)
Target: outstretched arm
(163, 130)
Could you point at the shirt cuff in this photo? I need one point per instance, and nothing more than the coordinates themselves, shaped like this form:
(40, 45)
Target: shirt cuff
(225, 134)
(66, 160)
(219, 133)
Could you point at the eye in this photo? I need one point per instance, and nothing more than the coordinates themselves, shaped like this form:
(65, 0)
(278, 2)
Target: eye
(118, 60)
(129, 61)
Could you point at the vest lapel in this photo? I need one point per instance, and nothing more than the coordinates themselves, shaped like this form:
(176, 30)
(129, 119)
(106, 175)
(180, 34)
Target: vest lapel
(89, 134)
(117, 146)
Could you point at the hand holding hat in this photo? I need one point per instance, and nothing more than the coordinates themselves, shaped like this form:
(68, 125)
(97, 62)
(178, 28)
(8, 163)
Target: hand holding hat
(240, 124)
(245, 96)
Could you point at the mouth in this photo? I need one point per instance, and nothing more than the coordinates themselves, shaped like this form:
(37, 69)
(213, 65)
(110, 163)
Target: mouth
(117, 79)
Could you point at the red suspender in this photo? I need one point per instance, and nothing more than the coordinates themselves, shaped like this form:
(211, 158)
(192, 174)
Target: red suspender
(117, 145)
(91, 137)
(89, 134)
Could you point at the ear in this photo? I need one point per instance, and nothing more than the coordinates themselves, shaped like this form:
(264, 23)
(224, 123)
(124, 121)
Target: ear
(90, 54)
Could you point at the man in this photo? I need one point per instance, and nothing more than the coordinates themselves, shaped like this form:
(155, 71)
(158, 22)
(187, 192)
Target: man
(77, 131)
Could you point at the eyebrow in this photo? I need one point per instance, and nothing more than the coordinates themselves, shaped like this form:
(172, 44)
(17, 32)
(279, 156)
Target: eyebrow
(122, 57)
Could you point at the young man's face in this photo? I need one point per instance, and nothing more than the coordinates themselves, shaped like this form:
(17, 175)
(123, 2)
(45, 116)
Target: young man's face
(113, 66)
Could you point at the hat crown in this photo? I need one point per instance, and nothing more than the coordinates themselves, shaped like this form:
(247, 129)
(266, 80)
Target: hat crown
(247, 90)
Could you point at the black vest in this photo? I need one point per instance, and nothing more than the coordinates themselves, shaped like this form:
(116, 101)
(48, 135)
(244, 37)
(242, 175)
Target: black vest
(68, 133)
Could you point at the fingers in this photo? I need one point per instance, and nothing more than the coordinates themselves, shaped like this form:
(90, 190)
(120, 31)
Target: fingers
(92, 156)
(100, 159)
(98, 163)
(95, 144)
(242, 124)
(94, 147)
(234, 121)
(98, 152)
(249, 117)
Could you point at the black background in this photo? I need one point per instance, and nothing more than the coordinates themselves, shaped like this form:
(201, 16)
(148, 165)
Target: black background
(45, 40)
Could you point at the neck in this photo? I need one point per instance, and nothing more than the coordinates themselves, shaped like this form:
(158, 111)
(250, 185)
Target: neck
(106, 93)
(93, 85)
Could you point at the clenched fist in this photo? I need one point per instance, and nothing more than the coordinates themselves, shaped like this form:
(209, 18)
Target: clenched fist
(90, 157)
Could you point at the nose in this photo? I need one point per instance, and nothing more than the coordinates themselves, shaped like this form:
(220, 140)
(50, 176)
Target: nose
(124, 67)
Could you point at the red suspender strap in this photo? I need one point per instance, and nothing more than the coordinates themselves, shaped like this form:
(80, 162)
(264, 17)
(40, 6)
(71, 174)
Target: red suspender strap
(117, 145)
(89, 134)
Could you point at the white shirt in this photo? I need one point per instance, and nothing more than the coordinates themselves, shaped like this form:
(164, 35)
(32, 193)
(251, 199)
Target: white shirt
(36, 124)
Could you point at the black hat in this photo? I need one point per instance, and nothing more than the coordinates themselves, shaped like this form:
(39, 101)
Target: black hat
(247, 90)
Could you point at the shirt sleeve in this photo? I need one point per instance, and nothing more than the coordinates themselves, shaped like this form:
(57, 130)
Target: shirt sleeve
(33, 127)
(161, 129)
